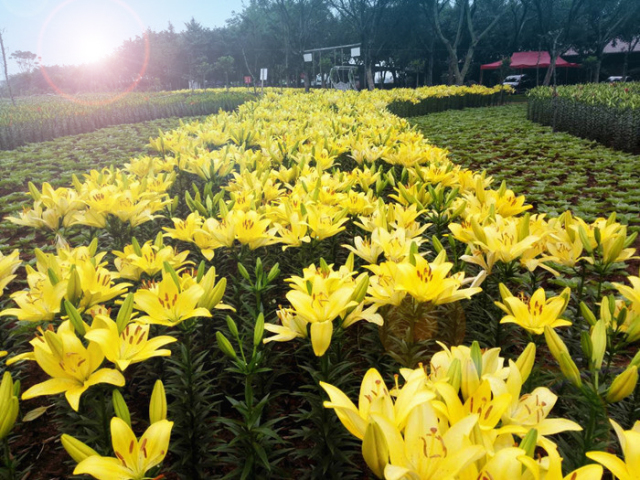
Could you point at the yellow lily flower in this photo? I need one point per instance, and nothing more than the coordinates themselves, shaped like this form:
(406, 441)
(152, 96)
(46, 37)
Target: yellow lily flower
(530, 410)
(8, 265)
(382, 286)
(430, 451)
(41, 302)
(72, 367)
(97, 285)
(630, 444)
(184, 230)
(631, 293)
(251, 229)
(428, 282)
(130, 346)
(133, 458)
(537, 313)
(492, 367)
(165, 303)
(150, 261)
(324, 221)
(375, 398)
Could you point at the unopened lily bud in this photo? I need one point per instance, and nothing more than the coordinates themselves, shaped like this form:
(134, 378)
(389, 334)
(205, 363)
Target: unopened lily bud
(76, 449)
(225, 345)
(375, 449)
(554, 342)
(213, 297)
(587, 314)
(623, 385)
(361, 288)
(54, 343)
(584, 239)
(273, 273)
(158, 404)
(437, 246)
(75, 318)
(136, 246)
(74, 286)
(585, 343)
(243, 271)
(258, 331)
(526, 360)
(569, 369)
(599, 344)
(233, 328)
(120, 407)
(454, 374)
(529, 442)
(470, 379)
(35, 193)
(476, 356)
(8, 405)
(124, 314)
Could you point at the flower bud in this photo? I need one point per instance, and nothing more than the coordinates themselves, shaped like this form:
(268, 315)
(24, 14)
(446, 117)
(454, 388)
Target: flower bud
(529, 442)
(158, 404)
(454, 374)
(258, 332)
(599, 344)
(120, 407)
(526, 360)
(74, 317)
(375, 449)
(623, 385)
(587, 314)
(570, 370)
(76, 449)
(8, 405)
(554, 342)
(124, 314)
(225, 345)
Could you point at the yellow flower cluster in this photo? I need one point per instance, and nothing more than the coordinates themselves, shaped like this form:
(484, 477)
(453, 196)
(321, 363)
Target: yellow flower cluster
(422, 430)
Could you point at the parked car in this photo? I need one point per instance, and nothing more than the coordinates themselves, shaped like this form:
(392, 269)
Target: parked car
(617, 78)
(520, 83)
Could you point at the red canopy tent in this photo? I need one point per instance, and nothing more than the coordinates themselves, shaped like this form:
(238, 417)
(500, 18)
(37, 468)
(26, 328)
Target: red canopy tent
(530, 60)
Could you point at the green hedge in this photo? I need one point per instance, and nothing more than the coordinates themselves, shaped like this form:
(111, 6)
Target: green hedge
(607, 113)
(44, 118)
(440, 104)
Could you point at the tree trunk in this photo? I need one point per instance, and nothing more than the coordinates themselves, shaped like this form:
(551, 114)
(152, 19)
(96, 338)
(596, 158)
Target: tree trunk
(596, 70)
(550, 70)
(369, 74)
(6, 73)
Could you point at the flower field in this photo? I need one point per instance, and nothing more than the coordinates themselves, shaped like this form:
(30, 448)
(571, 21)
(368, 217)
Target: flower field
(608, 113)
(555, 170)
(42, 118)
(308, 288)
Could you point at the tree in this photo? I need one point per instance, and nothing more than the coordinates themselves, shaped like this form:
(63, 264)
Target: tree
(6, 73)
(605, 20)
(557, 21)
(298, 23)
(471, 22)
(225, 65)
(26, 60)
(365, 17)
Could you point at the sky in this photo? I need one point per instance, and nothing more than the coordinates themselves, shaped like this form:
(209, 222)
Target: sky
(71, 32)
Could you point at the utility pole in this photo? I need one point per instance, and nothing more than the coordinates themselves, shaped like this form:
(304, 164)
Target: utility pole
(6, 73)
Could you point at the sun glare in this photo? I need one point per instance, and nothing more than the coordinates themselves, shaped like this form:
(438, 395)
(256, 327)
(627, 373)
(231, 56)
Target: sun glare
(92, 48)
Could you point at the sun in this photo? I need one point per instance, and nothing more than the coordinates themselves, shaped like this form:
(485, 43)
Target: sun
(92, 47)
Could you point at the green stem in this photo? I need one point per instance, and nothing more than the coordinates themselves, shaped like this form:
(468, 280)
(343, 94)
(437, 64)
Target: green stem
(7, 459)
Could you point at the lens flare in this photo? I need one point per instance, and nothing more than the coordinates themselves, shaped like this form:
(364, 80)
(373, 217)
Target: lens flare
(91, 47)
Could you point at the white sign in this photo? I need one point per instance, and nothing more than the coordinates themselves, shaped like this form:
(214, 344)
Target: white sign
(308, 57)
(263, 74)
(355, 52)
